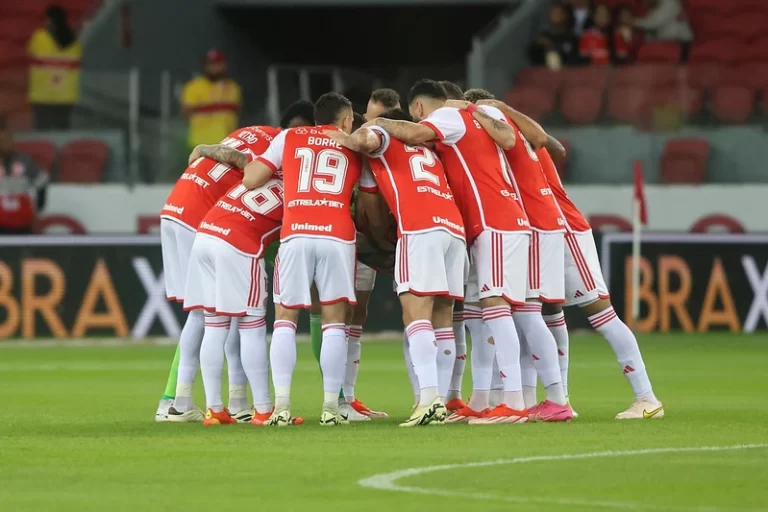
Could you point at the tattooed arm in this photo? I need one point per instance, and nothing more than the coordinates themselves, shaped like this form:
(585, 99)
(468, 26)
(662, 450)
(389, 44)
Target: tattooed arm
(220, 153)
(362, 140)
(532, 130)
(411, 133)
(501, 133)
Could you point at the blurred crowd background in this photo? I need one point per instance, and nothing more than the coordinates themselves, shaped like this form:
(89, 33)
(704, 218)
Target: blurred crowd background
(118, 91)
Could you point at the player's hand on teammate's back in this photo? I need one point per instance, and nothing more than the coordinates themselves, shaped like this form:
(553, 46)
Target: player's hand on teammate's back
(492, 103)
(194, 155)
(338, 137)
(459, 104)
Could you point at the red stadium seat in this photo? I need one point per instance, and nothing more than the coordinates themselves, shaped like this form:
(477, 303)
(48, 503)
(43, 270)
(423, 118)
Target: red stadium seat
(595, 77)
(83, 161)
(646, 75)
(726, 51)
(20, 120)
(533, 101)
(689, 100)
(659, 52)
(581, 104)
(756, 75)
(43, 152)
(685, 161)
(16, 30)
(539, 77)
(704, 76)
(629, 104)
(758, 51)
(12, 100)
(12, 55)
(733, 104)
(14, 77)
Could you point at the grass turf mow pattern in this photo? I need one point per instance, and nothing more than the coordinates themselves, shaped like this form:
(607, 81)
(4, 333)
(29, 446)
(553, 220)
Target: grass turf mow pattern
(78, 435)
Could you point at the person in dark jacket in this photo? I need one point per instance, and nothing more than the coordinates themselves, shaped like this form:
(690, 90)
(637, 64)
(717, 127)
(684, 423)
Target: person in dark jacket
(557, 45)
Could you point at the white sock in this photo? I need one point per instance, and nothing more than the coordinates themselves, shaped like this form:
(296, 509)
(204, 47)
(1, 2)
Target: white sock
(212, 359)
(481, 361)
(423, 348)
(556, 325)
(624, 345)
(189, 358)
(238, 382)
(333, 362)
(446, 359)
(502, 327)
(544, 348)
(253, 352)
(354, 349)
(496, 397)
(412, 377)
(460, 335)
(528, 373)
(282, 360)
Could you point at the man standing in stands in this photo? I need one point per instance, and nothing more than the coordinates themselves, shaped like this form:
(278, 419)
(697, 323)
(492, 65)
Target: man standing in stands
(211, 102)
(22, 187)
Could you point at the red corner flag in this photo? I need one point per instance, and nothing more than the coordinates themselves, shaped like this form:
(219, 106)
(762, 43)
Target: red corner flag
(639, 194)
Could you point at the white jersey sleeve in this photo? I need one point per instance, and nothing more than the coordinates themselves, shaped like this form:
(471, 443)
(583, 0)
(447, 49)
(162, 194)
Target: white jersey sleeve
(447, 123)
(384, 136)
(273, 156)
(367, 180)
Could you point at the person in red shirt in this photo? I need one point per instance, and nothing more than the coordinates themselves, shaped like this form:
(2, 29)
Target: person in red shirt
(545, 267)
(431, 255)
(496, 227)
(317, 246)
(213, 171)
(601, 44)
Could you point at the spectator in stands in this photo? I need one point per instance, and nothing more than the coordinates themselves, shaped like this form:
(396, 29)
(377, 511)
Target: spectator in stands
(22, 187)
(631, 36)
(601, 44)
(557, 45)
(54, 71)
(580, 12)
(666, 21)
(211, 102)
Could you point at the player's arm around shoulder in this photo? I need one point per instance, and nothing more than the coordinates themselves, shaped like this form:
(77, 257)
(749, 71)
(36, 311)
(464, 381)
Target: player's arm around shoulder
(363, 140)
(493, 122)
(531, 130)
(258, 172)
(220, 153)
(406, 131)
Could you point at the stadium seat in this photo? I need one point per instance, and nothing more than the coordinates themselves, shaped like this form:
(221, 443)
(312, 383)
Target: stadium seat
(726, 51)
(14, 77)
(539, 77)
(43, 152)
(629, 104)
(685, 161)
(12, 100)
(595, 77)
(758, 50)
(659, 52)
(646, 75)
(732, 104)
(581, 104)
(83, 161)
(16, 30)
(535, 102)
(20, 120)
(689, 99)
(756, 75)
(12, 55)
(704, 76)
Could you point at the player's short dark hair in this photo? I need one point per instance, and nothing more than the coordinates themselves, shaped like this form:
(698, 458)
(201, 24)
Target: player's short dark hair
(452, 90)
(387, 97)
(357, 121)
(302, 109)
(474, 95)
(396, 114)
(427, 88)
(329, 106)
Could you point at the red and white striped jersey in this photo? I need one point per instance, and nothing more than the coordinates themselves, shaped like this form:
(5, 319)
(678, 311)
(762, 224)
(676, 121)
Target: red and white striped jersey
(413, 183)
(477, 172)
(319, 176)
(248, 220)
(206, 180)
(573, 217)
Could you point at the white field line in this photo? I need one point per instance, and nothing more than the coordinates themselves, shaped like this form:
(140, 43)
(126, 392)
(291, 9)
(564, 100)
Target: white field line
(388, 481)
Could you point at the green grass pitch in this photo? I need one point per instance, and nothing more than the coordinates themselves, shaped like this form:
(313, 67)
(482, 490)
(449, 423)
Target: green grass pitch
(78, 435)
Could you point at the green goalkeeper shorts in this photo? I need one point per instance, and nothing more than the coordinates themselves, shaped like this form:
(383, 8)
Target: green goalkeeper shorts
(271, 253)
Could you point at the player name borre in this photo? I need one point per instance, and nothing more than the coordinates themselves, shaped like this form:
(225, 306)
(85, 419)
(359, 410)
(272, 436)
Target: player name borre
(323, 141)
(173, 208)
(235, 209)
(315, 202)
(297, 226)
(446, 222)
(193, 177)
(215, 228)
(427, 188)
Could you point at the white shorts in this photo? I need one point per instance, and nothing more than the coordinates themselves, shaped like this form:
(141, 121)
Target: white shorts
(365, 277)
(330, 264)
(546, 267)
(584, 281)
(225, 281)
(499, 267)
(176, 241)
(431, 263)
